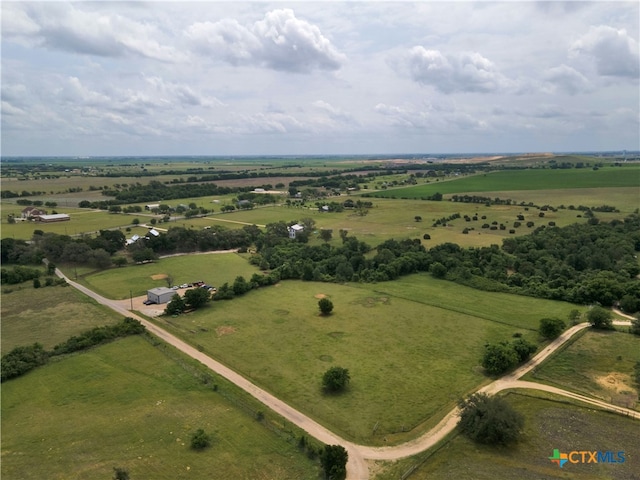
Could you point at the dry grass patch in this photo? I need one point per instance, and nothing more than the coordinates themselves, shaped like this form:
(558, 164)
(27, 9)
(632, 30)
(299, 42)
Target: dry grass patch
(159, 276)
(223, 330)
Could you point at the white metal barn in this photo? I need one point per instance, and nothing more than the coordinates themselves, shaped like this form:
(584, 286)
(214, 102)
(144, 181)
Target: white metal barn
(160, 295)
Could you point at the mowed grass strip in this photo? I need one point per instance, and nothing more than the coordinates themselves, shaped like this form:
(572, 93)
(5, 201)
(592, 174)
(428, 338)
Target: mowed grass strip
(539, 179)
(409, 361)
(48, 315)
(212, 268)
(599, 364)
(550, 422)
(128, 405)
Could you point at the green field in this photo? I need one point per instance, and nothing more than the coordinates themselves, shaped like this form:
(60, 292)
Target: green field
(128, 405)
(599, 364)
(409, 361)
(542, 179)
(48, 315)
(550, 422)
(214, 269)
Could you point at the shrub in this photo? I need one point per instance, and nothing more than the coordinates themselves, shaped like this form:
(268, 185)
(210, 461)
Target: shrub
(200, 440)
(335, 379)
(325, 305)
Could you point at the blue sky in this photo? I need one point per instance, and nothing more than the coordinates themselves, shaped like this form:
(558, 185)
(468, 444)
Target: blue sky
(240, 78)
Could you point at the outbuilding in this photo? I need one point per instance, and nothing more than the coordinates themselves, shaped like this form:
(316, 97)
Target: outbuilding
(54, 217)
(160, 295)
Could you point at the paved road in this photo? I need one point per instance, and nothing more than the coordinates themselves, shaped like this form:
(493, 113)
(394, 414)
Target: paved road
(357, 467)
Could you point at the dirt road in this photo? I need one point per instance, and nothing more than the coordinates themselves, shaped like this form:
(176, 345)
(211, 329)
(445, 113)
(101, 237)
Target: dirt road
(357, 467)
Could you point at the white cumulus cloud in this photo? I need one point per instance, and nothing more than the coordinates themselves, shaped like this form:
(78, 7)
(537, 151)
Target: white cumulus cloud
(614, 51)
(280, 41)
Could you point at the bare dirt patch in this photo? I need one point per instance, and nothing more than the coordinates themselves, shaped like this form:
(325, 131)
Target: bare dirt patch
(159, 276)
(615, 382)
(618, 389)
(225, 330)
(320, 295)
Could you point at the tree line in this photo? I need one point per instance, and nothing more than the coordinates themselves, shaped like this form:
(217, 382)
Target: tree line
(23, 359)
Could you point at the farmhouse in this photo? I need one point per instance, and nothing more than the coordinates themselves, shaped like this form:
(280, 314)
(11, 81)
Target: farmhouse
(31, 213)
(56, 217)
(160, 295)
(293, 229)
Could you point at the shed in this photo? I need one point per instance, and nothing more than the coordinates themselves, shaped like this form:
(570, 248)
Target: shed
(160, 295)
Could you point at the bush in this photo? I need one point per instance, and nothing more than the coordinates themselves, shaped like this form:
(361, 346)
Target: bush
(325, 305)
(200, 440)
(335, 379)
(489, 420)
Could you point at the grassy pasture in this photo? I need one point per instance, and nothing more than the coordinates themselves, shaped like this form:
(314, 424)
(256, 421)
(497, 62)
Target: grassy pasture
(127, 404)
(626, 176)
(599, 364)
(48, 315)
(409, 360)
(550, 422)
(214, 269)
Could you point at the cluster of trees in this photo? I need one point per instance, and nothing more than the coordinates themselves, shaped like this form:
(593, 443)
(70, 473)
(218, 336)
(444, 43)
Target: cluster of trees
(193, 299)
(503, 356)
(21, 360)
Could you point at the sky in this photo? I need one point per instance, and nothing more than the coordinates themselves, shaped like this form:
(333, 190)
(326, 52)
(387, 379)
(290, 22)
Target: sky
(308, 78)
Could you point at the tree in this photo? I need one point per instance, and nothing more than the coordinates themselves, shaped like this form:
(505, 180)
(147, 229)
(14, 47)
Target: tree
(629, 304)
(438, 270)
(36, 283)
(551, 327)
(176, 306)
(326, 234)
(417, 218)
(120, 474)
(499, 358)
(240, 286)
(200, 440)
(143, 255)
(523, 349)
(136, 221)
(635, 326)
(334, 461)
(325, 305)
(574, 316)
(335, 379)
(489, 420)
(197, 297)
(600, 318)
(119, 261)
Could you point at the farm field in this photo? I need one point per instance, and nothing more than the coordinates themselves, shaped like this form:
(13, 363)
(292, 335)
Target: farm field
(58, 313)
(409, 361)
(550, 422)
(600, 364)
(127, 404)
(543, 179)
